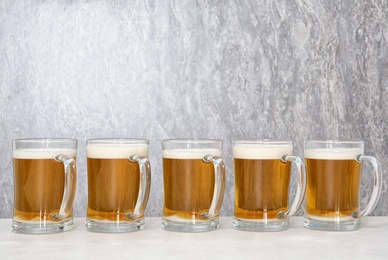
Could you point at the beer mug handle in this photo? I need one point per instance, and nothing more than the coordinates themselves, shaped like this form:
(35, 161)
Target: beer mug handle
(219, 185)
(377, 183)
(144, 186)
(69, 187)
(301, 173)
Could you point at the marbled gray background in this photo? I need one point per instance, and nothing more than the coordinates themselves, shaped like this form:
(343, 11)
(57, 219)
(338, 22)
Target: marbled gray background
(218, 69)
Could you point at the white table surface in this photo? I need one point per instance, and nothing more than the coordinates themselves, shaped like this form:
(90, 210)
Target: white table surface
(369, 242)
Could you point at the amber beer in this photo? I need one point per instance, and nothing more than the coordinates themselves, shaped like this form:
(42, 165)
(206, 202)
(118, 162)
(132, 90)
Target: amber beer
(261, 181)
(39, 184)
(113, 181)
(188, 184)
(333, 183)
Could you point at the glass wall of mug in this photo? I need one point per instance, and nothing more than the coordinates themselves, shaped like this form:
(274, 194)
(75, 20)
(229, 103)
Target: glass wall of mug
(194, 184)
(262, 171)
(334, 171)
(45, 179)
(119, 179)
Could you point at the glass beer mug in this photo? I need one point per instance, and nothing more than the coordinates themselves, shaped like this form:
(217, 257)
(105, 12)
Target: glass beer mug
(333, 184)
(44, 185)
(119, 180)
(262, 171)
(194, 184)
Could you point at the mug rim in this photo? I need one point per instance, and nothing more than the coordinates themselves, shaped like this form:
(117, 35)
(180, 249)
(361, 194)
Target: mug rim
(263, 141)
(335, 141)
(191, 144)
(191, 140)
(117, 141)
(45, 140)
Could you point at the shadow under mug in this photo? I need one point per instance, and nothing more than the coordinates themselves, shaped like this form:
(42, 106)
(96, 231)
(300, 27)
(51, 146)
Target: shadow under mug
(44, 185)
(194, 184)
(119, 180)
(262, 170)
(334, 171)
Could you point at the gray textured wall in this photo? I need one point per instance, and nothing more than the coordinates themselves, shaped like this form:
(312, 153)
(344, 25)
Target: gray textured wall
(218, 69)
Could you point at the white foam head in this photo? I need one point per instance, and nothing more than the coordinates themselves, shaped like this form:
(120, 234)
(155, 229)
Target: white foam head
(261, 151)
(46, 153)
(119, 151)
(198, 153)
(333, 153)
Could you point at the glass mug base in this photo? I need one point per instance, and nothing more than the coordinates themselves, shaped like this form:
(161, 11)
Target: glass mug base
(190, 227)
(260, 225)
(41, 227)
(114, 227)
(332, 224)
